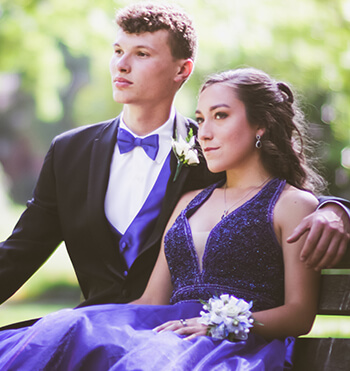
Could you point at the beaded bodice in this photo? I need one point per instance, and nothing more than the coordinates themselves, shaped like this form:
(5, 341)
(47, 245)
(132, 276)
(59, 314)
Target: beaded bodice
(242, 256)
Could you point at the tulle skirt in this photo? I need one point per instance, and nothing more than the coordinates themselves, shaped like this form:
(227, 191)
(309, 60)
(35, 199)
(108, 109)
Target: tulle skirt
(120, 337)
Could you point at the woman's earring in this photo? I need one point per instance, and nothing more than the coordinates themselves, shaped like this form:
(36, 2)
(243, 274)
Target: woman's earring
(258, 141)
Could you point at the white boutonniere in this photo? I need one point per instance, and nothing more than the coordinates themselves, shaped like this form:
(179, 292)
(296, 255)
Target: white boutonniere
(227, 317)
(185, 152)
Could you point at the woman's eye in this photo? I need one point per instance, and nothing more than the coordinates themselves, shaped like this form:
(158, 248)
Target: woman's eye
(199, 120)
(118, 51)
(220, 115)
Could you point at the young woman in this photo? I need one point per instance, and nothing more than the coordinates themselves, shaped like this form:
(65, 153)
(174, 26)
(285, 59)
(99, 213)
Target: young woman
(227, 239)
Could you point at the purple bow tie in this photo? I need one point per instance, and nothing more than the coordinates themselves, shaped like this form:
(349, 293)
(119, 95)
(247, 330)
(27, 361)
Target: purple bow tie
(127, 142)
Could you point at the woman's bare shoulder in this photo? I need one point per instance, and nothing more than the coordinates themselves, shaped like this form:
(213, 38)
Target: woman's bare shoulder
(295, 197)
(296, 203)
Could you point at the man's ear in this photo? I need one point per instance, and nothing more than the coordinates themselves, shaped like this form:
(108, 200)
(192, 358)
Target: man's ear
(185, 70)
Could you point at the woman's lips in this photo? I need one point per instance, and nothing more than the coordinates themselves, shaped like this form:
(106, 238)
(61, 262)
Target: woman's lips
(210, 149)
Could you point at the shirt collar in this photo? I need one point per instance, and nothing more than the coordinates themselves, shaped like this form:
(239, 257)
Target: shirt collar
(165, 133)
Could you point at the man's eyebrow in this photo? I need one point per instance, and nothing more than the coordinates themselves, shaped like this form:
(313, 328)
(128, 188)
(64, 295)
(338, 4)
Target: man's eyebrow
(136, 46)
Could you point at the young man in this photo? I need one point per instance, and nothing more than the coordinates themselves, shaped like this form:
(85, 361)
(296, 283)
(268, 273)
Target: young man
(108, 201)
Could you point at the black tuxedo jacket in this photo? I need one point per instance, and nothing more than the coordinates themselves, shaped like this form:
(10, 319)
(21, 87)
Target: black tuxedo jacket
(68, 205)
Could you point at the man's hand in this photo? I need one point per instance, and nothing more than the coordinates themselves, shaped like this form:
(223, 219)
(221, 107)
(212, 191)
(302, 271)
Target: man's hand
(328, 235)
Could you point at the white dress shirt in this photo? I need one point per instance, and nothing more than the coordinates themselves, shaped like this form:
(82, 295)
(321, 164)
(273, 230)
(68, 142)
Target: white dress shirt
(133, 175)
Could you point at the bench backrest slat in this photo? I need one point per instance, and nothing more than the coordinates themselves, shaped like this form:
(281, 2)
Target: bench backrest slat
(328, 354)
(335, 295)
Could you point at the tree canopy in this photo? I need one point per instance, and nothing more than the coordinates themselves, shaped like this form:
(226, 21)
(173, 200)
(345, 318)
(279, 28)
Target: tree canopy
(54, 57)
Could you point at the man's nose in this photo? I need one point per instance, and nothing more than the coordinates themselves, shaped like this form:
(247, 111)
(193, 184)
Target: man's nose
(123, 63)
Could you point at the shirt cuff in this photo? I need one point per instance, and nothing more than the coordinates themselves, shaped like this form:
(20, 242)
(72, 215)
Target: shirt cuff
(323, 203)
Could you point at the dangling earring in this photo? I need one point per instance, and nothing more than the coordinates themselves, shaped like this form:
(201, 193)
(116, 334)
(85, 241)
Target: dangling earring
(258, 143)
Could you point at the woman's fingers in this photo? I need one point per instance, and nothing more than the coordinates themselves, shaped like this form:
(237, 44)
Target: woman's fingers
(191, 327)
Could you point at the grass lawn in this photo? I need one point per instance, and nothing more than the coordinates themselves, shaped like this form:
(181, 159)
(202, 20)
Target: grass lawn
(11, 313)
(331, 326)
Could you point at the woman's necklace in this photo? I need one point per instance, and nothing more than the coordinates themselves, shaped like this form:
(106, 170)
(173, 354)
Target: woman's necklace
(226, 210)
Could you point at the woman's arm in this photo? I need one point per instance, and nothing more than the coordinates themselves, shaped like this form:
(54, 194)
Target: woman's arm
(296, 316)
(159, 288)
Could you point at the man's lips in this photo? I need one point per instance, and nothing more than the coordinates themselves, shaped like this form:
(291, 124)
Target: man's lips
(120, 82)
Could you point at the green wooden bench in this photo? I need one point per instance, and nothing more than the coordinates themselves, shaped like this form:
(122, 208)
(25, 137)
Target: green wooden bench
(328, 354)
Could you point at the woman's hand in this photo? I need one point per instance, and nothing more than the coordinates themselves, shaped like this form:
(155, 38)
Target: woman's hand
(191, 327)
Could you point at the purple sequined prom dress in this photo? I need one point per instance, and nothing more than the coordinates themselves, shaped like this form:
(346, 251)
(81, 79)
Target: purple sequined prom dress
(242, 257)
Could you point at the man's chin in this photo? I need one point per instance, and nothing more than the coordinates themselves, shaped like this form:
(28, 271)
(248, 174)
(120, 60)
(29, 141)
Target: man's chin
(121, 98)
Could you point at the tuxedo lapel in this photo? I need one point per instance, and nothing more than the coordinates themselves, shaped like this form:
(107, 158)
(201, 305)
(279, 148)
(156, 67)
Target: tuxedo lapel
(101, 156)
(100, 161)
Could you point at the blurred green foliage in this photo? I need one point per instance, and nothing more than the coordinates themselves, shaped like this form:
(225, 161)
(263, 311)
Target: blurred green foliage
(54, 57)
(59, 50)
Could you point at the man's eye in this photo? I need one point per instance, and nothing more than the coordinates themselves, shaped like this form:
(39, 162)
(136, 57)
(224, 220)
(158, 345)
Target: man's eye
(142, 54)
(118, 51)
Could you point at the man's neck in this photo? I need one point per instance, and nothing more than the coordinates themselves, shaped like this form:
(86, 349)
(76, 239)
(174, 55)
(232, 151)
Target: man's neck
(143, 121)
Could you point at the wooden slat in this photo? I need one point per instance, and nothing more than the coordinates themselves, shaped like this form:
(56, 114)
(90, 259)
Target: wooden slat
(335, 295)
(328, 354)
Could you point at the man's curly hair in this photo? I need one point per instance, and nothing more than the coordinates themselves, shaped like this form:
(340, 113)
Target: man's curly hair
(148, 17)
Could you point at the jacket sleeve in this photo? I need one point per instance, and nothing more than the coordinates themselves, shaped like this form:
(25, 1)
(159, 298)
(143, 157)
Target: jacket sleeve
(345, 204)
(35, 236)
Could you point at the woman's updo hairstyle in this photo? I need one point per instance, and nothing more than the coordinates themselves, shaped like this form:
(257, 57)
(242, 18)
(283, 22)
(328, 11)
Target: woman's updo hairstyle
(271, 105)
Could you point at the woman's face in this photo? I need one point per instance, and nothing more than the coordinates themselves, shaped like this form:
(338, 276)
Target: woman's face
(225, 135)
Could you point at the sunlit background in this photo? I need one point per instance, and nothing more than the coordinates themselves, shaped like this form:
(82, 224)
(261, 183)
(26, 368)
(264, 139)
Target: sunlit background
(54, 75)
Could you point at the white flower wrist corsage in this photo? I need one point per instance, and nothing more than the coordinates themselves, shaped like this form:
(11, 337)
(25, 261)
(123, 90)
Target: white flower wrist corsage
(227, 317)
(185, 152)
